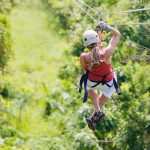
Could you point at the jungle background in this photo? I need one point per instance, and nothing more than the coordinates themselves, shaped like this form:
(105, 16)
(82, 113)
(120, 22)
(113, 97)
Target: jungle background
(40, 45)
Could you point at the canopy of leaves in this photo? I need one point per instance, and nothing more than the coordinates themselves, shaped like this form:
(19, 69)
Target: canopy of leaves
(38, 113)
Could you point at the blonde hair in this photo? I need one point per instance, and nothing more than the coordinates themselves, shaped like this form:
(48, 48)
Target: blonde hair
(95, 58)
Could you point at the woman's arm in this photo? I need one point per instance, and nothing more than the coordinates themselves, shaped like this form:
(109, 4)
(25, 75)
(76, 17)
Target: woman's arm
(113, 42)
(83, 65)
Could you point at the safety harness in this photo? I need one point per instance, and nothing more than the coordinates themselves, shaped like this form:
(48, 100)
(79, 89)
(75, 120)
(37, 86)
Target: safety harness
(84, 77)
(83, 81)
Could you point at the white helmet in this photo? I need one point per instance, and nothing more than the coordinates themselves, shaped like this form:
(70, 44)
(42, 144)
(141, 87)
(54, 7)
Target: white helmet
(90, 37)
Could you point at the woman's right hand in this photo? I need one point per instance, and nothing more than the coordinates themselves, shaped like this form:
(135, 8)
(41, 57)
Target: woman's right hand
(103, 26)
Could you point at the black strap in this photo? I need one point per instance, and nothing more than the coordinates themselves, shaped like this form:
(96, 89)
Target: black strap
(116, 87)
(114, 83)
(83, 80)
(97, 83)
(102, 81)
(85, 88)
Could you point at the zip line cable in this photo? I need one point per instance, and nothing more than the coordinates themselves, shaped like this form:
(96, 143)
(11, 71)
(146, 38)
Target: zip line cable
(127, 11)
(133, 23)
(88, 6)
(136, 57)
(84, 11)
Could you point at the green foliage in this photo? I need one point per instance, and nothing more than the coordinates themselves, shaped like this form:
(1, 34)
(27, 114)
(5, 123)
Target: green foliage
(70, 70)
(84, 141)
(125, 129)
(6, 6)
(62, 13)
(5, 48)
(78, 48)
(38, 111)
(5, 41)
(7, 131)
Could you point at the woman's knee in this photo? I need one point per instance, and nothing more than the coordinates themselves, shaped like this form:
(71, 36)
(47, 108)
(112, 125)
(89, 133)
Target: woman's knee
(92, 92)
(102, 97)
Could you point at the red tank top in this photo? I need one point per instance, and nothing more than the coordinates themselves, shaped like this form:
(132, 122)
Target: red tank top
(101, 70)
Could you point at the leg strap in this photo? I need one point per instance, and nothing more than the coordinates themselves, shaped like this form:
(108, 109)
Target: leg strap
(116, 87)
(83, 81)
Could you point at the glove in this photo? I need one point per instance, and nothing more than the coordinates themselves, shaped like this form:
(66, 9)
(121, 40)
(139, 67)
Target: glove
(103, 25)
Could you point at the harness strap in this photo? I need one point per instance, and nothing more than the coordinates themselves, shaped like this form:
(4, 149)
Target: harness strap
(103, 80)
(84, 80)
(81, 81)
(114, 83)
(85, 87)
(116, 87)
(97, 83)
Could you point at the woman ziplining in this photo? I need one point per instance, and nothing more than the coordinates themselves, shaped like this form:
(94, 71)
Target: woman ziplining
(97, 62)
(99, 75)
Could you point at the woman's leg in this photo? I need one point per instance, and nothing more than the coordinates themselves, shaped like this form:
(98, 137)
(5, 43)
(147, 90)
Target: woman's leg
(102, 99)
(95, 99)
(92, 120)
(98, 102)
